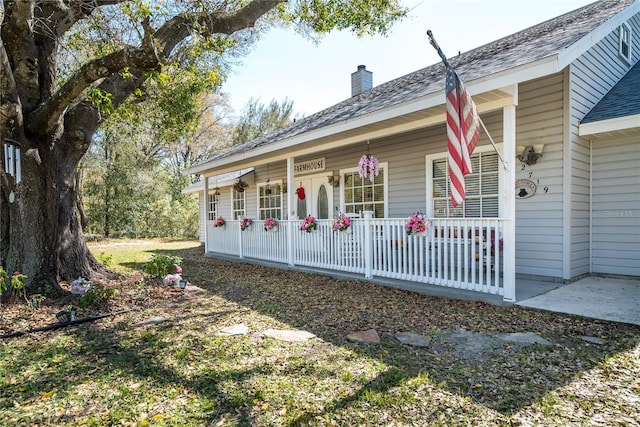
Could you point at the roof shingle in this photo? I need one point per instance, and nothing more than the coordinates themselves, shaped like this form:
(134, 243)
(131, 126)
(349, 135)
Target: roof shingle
(621, 101)
(540, 41)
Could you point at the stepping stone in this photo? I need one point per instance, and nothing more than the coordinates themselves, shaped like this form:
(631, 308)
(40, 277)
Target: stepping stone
(240, 329)
(288, 335)
(592, 340)
(524, 338)
(152, 321)
(366, 337)
(413, 339)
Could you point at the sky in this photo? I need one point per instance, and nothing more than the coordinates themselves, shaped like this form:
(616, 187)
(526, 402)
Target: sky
(283, 64)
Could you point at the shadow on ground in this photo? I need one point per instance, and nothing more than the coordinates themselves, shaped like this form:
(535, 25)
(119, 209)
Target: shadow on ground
(500, 377)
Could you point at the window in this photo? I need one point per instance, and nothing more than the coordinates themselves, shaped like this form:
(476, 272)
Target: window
(624, 44)
(212, 206)
(270, 201)
(481, 188)
(238, 203)
(360, 194)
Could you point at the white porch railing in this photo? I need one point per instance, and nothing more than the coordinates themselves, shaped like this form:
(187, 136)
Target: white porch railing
(455, 253)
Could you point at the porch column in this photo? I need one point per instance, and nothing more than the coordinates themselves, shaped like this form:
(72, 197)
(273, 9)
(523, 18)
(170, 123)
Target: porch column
(509, 203)
(205, 216)
(368, 244)
(290, 210)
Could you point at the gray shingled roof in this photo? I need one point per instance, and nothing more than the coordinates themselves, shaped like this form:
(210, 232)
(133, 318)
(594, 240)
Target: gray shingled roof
(621, 101)
(532, 44)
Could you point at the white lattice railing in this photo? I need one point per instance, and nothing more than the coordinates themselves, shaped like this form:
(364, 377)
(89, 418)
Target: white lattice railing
(456, 253)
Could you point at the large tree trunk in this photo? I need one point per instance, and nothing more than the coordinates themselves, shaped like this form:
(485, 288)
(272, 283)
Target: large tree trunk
(40, 227)
(43, 234)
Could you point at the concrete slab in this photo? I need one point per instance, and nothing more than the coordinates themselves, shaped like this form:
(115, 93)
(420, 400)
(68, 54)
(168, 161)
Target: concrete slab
(602, 298)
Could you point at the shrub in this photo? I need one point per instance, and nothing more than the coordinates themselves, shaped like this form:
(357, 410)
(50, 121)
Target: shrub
(160, 265)
(17, 284)
(96, 294)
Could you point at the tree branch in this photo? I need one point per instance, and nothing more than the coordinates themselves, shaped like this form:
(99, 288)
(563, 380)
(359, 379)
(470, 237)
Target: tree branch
(55, 17)
(10, 111)
(178, 28)
(45, 117)
(167, 37)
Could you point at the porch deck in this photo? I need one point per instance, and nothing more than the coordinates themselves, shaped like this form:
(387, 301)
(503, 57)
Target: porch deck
(454, 254)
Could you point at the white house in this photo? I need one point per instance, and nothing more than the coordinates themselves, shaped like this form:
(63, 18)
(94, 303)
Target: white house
(560, 99)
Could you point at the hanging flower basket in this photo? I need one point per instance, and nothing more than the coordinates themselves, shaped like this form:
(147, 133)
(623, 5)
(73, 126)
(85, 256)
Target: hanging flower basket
(341, 223)
(219, 222)
(270, 224)
(308, 224)
(368, 167)
(417, 224)
(245, 223)
(239, 185)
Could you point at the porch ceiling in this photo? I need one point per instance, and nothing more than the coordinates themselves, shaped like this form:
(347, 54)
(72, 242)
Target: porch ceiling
(404, 117)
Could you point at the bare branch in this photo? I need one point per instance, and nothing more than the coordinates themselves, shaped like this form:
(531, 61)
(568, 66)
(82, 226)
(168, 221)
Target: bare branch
(55, 17)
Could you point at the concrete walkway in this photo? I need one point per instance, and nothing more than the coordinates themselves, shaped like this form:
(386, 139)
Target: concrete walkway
(602, 298)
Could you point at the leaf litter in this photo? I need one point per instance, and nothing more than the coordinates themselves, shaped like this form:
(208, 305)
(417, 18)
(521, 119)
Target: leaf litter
(253, 380)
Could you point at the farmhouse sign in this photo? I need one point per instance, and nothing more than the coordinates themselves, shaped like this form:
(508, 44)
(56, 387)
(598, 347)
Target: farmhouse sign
(315, 165)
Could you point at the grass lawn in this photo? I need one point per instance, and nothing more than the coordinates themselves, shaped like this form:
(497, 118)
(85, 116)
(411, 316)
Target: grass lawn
(178, 370)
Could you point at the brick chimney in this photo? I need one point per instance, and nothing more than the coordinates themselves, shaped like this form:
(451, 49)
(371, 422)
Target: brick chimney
(361, 81)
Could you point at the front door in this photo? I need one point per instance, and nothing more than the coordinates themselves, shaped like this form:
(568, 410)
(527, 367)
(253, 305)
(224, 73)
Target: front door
(318, 197)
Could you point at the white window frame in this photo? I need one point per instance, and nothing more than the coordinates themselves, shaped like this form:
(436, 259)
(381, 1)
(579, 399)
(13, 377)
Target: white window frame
(383, 166)
(238, 213)
(272, 184)
(625, 41)
(443, 155)
(212, 203)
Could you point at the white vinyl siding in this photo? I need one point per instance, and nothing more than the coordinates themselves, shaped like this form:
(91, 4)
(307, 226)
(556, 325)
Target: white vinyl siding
(616, 206)
(591, 77)
(539, 219)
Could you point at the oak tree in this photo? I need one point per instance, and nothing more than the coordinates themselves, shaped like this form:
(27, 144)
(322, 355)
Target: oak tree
(50, 111)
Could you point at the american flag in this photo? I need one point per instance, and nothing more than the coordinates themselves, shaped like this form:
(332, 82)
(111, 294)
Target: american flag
(463, 130)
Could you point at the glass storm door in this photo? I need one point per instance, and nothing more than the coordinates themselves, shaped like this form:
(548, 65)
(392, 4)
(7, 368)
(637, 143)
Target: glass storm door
(318, 198)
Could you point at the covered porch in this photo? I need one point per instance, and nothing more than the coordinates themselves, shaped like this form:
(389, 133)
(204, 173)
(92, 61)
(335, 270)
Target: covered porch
(470, 252)
(463, 254)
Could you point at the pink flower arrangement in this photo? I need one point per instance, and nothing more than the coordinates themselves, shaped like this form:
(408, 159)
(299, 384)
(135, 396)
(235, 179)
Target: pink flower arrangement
(245, 223)
(341, 222)
(308, 224)
(417, 223)
(368, 167)
(219, 222)
(270, 223)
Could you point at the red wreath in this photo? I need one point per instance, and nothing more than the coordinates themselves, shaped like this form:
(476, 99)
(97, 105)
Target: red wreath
(300, 193)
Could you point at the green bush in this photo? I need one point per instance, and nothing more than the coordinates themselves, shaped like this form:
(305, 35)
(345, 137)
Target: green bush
(96, 294)
(160, 265)
(16, 281)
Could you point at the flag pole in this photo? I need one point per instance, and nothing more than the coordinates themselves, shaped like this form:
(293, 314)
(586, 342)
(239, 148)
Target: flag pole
(436, 46)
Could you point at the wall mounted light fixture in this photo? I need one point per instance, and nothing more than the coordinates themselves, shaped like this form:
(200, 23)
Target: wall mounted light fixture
(529, 154)
(334, 180)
